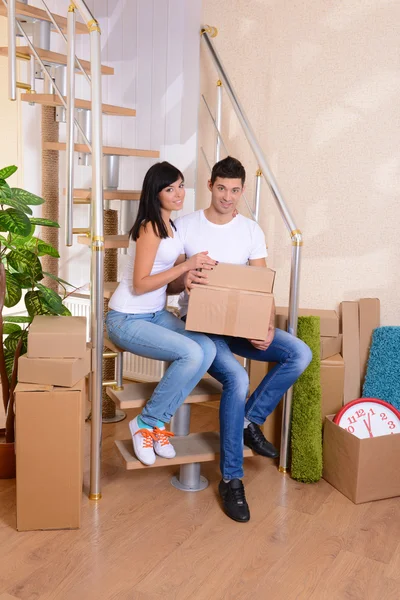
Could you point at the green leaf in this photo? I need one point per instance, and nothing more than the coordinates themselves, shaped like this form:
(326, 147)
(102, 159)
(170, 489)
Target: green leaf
(17, 319)
(62, 281)
(21, 240)
(14, 221)
(5, 190)
(64, 312)
(9, 360)
(10, 328)
(36, 304)
(44, 222)
(24, 281)
(13, 291)
(25, 261)
(15, 204)
(50, 297)
(11, 342)
(46, 249)
(7, 171)
(26, 197)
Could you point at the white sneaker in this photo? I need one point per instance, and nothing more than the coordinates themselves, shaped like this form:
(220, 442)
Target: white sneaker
(162, 445)
(143, 440)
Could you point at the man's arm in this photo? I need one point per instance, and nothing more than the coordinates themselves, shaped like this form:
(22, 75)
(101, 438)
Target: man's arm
(263, 344)
(258, 262)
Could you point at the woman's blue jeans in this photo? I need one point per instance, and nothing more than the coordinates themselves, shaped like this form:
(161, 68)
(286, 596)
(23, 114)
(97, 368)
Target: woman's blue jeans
(292, 357)
(162, 336)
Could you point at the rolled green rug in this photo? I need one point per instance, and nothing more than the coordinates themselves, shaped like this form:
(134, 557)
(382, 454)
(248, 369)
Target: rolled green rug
(306, 434)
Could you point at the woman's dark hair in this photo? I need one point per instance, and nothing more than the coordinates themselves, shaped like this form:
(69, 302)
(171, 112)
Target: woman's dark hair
(228, 168)
(158, 177)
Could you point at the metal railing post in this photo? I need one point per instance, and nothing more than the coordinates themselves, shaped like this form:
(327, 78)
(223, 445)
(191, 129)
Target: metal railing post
(295, 234)
(218, 119)
(12, 51)
(257, 194)
(70, 145)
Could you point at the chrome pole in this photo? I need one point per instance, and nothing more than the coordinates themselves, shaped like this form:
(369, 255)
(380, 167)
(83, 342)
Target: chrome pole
(52, 19)
(49, 77)
(257, 195)
(292, 328)
(12, 51)
(97, 267)
(70, 146)
(218, 119)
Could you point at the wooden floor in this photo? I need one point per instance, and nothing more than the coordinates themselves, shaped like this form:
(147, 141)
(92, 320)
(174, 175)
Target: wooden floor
(146, 540)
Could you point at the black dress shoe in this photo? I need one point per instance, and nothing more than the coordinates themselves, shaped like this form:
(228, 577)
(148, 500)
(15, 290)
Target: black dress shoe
(254, 438)
(234, 500)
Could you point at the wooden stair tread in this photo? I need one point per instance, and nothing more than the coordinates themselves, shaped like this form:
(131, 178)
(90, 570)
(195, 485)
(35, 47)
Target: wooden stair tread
(192, 448)
(55, 57)
(31, 12)
(110, 241)
(135, 395)
(61, 146)
(82, 196)
(53, 100)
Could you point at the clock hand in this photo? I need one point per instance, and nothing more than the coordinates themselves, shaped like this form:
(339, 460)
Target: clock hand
(368, 426)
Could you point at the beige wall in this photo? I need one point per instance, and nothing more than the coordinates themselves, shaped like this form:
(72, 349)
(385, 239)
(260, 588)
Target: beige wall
(320, 82)
(10, 144)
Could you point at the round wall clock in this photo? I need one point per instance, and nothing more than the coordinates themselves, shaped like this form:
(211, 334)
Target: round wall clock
(368, 417)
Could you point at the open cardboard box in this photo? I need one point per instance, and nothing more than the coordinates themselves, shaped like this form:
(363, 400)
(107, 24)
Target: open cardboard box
(361, 469)
(237, 301)
(49, 455)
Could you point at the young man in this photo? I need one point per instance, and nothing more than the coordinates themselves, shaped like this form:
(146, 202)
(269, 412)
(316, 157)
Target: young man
(238, 240)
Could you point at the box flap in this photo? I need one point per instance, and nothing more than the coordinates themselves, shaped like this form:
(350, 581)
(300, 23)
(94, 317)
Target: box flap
(333, 361)
(242, 277)
(39, 387)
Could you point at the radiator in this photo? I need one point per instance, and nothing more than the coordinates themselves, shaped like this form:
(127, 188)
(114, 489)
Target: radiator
(135, 367)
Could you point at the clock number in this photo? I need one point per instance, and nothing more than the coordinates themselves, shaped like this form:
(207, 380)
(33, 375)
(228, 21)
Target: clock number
(371, 410)
(351, 419)
(350, 429)
(360, 413)
(391, 425)
(384, 416)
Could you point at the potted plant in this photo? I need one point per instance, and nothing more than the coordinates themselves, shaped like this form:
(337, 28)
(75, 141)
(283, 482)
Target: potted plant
(20, 278)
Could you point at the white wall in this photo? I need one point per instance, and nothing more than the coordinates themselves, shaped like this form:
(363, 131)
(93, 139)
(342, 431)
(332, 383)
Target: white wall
(320, 83)
(153, 45)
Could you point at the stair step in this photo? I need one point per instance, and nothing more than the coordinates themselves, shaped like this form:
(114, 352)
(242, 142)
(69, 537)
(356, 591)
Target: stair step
(135, 395)
(110, 241)
(82, 196)
(60, 146)
(192, 448)
(48, 56)
(53, 100)
(26, 12)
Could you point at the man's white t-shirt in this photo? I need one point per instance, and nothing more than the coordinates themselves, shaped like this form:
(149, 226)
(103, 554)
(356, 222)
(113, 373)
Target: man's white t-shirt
(236, 242)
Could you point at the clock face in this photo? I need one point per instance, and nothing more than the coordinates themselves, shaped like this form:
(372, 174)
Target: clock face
(368, 417)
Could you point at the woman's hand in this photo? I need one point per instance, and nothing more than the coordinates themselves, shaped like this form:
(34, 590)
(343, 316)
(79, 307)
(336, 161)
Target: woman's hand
(200, 261)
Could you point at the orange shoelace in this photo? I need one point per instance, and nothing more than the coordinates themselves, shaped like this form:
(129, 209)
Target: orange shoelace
(148, 437)
(162, 435)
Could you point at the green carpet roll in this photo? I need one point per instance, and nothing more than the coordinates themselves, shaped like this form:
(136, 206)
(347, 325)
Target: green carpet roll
(306, 435)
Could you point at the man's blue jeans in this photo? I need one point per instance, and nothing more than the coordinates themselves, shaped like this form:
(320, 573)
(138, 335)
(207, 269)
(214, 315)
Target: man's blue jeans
(292, 357)
(162, 336)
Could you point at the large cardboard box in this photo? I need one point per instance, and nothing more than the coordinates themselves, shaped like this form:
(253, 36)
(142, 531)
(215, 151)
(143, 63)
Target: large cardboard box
(351, 351)
(361, 469)
(49, 455)
(64, 372)
(57, 337)
(330, 346)
(332, 384)
(237, 301)
(369, 316)
(329, 320)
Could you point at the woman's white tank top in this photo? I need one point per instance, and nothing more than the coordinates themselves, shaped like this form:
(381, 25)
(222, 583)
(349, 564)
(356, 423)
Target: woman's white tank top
(124, 298)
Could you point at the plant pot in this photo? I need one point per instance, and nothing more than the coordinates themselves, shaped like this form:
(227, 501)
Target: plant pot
(7, 461)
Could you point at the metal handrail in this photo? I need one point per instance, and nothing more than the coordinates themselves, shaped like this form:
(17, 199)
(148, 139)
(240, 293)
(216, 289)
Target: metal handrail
(12, 51)
(295, 233)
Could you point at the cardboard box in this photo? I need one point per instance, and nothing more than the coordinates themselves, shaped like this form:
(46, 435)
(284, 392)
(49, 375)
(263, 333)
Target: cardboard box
(330, 346)
(224, 308)
(351, 351)
(361, 469)
(64, 372)
(332, 385)
(369, 315)
(329, 320)
(49, 455)
(57, 337)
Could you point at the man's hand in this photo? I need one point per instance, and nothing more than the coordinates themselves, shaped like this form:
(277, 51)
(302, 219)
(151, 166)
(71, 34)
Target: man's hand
(264, 344)
(194, 276)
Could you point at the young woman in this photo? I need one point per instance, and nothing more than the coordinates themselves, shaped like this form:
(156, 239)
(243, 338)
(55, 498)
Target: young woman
(137, 320)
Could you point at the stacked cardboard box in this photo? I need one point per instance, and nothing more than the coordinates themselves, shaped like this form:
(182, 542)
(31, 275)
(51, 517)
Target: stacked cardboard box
(49, 408)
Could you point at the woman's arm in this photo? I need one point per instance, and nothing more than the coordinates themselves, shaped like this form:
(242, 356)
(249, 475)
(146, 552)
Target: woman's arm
(178, 285)
(146, 250)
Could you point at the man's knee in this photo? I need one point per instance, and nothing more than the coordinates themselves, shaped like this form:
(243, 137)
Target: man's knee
(302, 356)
